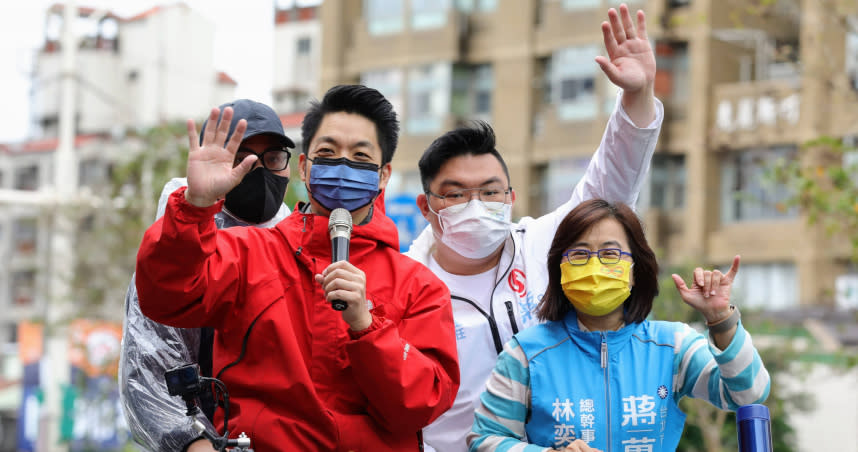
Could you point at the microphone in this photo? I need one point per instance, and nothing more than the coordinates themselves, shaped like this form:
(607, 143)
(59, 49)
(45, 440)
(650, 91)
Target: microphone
(754, 428)
(340, 230)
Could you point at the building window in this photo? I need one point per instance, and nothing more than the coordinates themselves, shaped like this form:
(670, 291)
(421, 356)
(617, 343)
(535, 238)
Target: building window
(747, 194)
(483, 6)
(472, 91)
(24, 234)
(769, 286)
(429, 13)
(91, 173)
(389, 83)
(667, 182)
(384, 16)
(631, 4)
(303, 46)
(672, 77)
(23, 287)
(428, 98)
(557, 181)
(581, 4)
(572, 79)
(27, 178)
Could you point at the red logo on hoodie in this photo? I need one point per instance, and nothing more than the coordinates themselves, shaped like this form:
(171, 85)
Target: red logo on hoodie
(516, 282)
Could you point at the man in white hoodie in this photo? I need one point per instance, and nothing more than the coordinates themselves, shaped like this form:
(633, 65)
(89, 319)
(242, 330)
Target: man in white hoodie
(495, 269)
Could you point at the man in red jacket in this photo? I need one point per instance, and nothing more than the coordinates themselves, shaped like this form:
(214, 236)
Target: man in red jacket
(302, 376)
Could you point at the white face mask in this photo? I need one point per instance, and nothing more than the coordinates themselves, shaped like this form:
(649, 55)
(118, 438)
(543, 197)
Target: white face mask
(476, 229)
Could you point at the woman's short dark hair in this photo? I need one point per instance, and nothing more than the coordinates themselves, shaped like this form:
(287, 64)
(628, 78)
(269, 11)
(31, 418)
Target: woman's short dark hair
(554, 304)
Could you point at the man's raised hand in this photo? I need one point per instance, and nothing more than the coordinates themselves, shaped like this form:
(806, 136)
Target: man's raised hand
(210, 165)
(631, 62)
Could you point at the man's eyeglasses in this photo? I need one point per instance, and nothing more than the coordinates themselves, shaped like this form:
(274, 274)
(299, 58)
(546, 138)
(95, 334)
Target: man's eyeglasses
(606, 256)
(489, 193)
(273, 159)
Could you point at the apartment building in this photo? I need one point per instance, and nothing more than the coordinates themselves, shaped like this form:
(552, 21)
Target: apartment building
(130, 72)
(743, 85)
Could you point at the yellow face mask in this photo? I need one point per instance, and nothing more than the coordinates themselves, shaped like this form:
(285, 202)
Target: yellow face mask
(595, 288)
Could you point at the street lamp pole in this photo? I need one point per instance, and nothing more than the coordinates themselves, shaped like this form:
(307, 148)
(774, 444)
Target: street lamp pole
(59, 303)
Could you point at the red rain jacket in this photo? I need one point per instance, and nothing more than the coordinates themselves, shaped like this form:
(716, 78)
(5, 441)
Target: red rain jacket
(302, 382)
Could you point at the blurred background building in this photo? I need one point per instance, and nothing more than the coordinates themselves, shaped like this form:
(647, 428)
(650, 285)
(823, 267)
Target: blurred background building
(745, 84)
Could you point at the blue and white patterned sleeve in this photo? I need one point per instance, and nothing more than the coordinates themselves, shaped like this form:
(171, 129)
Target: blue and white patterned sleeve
(728, 379)
(500, 418)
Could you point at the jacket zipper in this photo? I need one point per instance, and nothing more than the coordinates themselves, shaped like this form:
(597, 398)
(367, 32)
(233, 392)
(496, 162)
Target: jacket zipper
(491, 316)
(492, 324)
(607, 372)
(511, 315)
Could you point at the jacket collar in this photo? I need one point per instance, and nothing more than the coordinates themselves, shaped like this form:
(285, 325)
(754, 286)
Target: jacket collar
(615, 339)
(309, 232)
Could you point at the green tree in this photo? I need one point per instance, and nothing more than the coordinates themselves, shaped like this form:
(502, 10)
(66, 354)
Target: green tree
(112, 223)
(826, 190)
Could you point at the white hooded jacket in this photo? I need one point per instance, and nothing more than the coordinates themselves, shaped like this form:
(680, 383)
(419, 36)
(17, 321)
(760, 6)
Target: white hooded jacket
(616, 173)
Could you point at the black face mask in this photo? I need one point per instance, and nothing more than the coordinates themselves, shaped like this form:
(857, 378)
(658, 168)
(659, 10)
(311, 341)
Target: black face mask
(258, 197)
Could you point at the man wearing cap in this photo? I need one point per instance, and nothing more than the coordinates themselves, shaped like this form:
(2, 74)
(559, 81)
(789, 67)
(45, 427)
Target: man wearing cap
(156, 419)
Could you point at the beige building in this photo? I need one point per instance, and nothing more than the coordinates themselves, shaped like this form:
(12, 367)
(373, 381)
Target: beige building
(742, 85)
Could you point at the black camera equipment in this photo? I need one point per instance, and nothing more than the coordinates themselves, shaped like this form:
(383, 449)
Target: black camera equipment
(185, 381)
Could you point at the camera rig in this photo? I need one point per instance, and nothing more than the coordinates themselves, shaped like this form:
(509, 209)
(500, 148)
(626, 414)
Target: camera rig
(185, 381)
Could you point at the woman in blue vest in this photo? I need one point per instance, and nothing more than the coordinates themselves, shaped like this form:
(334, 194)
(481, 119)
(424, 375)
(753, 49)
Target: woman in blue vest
(596, 375)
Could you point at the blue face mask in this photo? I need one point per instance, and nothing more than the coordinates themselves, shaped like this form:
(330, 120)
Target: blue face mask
(343, 183)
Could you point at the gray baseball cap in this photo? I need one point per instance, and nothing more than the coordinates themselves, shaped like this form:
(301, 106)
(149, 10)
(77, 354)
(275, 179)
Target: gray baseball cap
(261, 119)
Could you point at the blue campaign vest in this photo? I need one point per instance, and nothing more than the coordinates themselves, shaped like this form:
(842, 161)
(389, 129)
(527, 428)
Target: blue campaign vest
(627, 405)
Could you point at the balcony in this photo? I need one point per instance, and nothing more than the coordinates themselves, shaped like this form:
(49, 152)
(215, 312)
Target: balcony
(410, 46)
(755, 114)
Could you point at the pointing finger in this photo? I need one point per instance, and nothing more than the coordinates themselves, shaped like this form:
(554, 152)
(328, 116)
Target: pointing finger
(734, 268)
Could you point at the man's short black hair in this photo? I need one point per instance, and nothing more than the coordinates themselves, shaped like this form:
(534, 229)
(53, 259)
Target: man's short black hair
(477, 138)
(356, 99)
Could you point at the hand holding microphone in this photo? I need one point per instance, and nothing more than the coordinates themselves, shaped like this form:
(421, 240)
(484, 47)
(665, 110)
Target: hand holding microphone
(343, 283)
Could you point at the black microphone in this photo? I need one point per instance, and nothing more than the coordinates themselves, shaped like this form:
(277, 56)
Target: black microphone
(340, 230)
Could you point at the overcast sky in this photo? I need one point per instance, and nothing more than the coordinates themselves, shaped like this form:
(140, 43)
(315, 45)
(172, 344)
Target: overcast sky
(243, 41)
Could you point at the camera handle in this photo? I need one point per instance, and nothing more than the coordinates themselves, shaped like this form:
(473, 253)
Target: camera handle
(240, 444)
